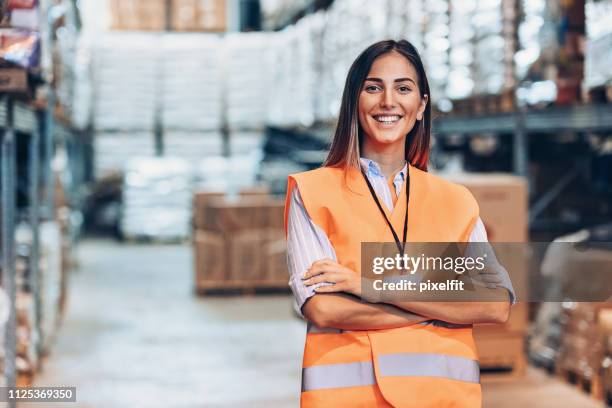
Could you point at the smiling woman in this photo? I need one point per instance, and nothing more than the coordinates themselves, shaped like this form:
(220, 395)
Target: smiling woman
(389, 106)
(360, 352)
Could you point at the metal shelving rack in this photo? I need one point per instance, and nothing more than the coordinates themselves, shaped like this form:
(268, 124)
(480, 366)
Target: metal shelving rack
(521, 123)
(17, 118)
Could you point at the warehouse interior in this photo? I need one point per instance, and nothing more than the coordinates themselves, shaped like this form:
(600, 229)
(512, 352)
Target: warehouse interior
(145, 151)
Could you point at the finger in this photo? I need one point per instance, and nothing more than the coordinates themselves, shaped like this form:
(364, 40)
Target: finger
(328, 289)
(324, 261)
(314, 271)
(323, 268)
(316, 279)
(329, 277)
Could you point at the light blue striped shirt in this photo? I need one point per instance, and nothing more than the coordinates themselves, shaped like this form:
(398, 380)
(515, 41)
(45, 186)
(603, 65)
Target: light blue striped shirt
(307, 242)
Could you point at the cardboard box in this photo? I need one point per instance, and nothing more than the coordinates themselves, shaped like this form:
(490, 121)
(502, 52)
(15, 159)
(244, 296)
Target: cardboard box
(209, 257)
(275, 257)
(244, 255)
(138, 14)
(502, 350)
(250, 212)
(202, 199)
(13, 80)
(503, 202)
(198, 15)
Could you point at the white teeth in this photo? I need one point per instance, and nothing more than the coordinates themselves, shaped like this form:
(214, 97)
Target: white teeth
(387, 119)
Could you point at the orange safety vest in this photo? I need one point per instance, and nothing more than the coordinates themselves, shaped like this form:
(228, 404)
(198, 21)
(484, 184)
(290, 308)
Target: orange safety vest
(424, 365)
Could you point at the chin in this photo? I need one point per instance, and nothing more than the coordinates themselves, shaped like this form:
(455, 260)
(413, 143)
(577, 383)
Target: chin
(388, 139)
(388, 136)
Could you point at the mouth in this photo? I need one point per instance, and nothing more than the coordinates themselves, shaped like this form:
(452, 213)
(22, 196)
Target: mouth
(387, 119)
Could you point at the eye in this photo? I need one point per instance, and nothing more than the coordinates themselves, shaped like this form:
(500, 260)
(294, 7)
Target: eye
(404, 89)
(372, 88)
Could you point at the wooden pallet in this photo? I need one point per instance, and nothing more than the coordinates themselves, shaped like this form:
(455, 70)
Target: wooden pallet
(148, 240)
(501, 354)
(592, 386)
(241, 287)
(507, 370)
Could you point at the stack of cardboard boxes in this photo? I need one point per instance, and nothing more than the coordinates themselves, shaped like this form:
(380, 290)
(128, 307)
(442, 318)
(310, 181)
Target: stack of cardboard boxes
(148, 15)
(198, 15)
(239, 243)
(177, 15)
(503, 203)
(586, 329)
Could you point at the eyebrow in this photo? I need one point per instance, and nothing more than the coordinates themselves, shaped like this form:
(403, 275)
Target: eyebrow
(396, 80)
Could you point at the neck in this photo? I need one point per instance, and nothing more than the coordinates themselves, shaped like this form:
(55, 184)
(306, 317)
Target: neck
(390, 157)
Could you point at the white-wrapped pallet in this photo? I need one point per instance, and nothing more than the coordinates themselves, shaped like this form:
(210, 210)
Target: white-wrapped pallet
(126, 76)
(192, 146)
(228, 174)
(113, 150)
(157, 198)
(191, 81)
(293, 73)
(245, 142)
(246, 79)
(598, 58)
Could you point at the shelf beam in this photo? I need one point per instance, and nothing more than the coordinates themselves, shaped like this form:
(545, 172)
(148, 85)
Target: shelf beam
(8, 163)
(586, 118)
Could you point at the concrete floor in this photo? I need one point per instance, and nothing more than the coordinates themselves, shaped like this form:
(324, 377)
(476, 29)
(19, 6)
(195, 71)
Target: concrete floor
(135, 336)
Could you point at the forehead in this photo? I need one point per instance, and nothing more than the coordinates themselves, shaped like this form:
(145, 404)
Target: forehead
(392, 65)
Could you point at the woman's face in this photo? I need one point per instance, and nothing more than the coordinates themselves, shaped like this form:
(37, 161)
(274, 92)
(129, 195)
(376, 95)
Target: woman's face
(390, 102)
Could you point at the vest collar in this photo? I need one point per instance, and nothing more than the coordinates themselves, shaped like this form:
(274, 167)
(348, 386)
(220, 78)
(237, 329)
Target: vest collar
(357, 184)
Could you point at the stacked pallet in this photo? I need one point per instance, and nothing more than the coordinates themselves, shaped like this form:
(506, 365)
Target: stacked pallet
(126, 76)
(503, 209)
(239, 243)
(178, 15)
(159, 189)
(583, 345)
(138, 15)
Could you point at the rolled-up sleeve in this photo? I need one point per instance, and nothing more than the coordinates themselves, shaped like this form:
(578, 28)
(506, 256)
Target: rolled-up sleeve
(306, 243)
(479, 235)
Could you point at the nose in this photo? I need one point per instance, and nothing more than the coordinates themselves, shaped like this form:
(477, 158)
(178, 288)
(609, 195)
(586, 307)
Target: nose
(387, 100)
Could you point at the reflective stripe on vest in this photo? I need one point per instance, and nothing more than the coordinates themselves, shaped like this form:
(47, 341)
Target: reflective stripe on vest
(390, 365)
(338, 376)
(429, 365)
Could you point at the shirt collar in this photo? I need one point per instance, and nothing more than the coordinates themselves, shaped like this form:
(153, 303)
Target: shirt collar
(372, 168)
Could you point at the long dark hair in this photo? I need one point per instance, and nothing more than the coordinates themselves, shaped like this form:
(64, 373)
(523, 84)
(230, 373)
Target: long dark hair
(344, 151)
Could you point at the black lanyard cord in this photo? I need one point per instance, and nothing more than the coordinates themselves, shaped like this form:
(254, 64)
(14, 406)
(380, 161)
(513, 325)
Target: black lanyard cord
(400, 245)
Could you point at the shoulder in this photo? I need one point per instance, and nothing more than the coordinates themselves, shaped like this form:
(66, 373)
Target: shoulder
(317, 176)
(440, 188)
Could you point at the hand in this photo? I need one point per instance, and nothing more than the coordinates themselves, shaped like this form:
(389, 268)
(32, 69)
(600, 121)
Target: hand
(342, 279)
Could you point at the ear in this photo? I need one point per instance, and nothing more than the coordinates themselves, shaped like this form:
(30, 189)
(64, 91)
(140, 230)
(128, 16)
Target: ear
(422, 106)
